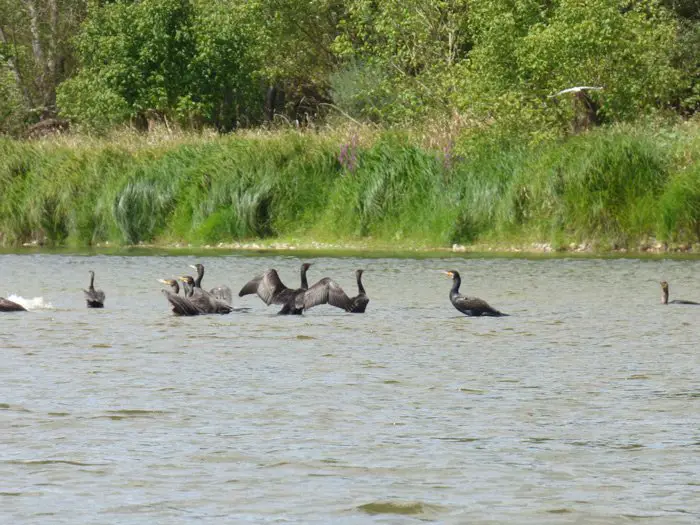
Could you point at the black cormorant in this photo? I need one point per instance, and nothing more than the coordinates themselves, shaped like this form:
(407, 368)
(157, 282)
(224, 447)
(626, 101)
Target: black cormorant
(271, 290)
(10, 306)
(94, 298)
(471, 306)
(330, 292)
(181, 304)
(664, 296)
(204, 301)
(222, 293)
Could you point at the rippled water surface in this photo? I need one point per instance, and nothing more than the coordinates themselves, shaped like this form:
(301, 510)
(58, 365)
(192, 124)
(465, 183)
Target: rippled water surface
(582, 407)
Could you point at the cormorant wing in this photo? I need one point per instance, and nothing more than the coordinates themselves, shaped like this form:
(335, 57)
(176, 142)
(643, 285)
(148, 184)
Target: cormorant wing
(181, 305)
(474, 304)
(208, 304)
(220, 307)
(10, 306)
(268, 286)
(94, 295)
(326, 291)
(251, 286)
(222, 293)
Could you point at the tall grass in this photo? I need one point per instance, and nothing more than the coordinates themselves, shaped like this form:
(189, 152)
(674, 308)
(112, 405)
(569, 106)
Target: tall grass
(615, 186)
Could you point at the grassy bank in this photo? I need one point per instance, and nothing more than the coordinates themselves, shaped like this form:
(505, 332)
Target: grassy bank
(608, 189)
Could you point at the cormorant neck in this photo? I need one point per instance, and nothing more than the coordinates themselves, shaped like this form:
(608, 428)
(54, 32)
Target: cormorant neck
(92, 280)
(664, 296)
(200, 275)
(304, 282)
(456, 283)
(360, 288)
(176, 287)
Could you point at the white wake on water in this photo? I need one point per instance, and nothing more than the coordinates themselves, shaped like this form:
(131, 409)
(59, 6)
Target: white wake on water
(36, 303)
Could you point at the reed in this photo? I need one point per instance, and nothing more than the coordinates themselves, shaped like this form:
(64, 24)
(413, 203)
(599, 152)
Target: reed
(615, 187)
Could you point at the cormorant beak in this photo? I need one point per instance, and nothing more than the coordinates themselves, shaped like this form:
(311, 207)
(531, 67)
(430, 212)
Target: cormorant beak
(449, 274)
(184, 280)
(193, 267)
(163, 281)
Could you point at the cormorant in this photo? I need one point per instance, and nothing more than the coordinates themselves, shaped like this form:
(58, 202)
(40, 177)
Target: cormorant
(330, 292)
(204, 301)
(181, 305)
(271, 290)
(10, 306)
(222, 293)
(94, 298)
(471, 306)
(664, 296)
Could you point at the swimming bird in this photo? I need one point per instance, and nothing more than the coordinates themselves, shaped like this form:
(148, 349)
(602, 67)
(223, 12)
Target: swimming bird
(94, 298)
(204, 301)
(10, 306)
(664, 296)
(222, 293)
(181, 304)
(327, 291)
(471, 306)
(271, 290)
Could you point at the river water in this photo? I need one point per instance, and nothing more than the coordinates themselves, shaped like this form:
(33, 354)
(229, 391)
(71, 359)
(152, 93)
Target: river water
(583, 406)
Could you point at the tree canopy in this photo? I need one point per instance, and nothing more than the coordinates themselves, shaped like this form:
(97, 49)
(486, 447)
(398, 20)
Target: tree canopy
(238, 63)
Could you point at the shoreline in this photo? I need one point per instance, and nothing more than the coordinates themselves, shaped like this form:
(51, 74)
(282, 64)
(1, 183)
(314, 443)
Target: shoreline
(370, 247)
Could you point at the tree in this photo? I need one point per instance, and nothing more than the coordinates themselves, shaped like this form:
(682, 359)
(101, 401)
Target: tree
(162, 59)
(401, 57)
(35, 54)
(526, 51)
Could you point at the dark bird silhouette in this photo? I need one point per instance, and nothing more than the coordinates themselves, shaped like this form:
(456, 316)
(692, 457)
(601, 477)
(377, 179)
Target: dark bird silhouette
(664, 296)
(327, 291)
(94, 298)
(271, 290)
(471, 306)
(223, 293)
(181, 305)
(204, 301)
(10, 306)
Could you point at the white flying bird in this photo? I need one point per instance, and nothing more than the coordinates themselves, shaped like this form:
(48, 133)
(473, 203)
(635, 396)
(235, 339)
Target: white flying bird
(577, 89)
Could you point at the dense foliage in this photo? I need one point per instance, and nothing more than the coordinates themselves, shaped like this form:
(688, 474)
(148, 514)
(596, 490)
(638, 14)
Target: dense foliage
(613, 187)
(237, 63)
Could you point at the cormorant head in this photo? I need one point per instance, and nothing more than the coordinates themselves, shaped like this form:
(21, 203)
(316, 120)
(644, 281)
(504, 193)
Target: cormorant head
(452, 273)
(197, 267)
(305, 266)
(187, 279)
(359, 272)
(169, 282)
(664, 286)
(91, 273)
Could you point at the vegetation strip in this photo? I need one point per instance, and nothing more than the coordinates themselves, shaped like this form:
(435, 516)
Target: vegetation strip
(608, 189)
